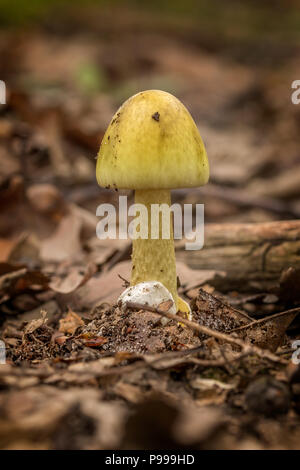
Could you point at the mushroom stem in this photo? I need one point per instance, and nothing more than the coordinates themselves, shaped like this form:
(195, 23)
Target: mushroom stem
(154, 259)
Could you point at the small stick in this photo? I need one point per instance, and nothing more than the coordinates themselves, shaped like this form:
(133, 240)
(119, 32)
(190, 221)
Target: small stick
(292, 311)
(126, 282)
(246, 348)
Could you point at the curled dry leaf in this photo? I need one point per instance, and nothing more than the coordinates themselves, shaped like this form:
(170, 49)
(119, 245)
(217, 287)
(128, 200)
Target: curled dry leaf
(268, 333)
(35, 324)
(16, 280)
(70, 323)
(93, 341)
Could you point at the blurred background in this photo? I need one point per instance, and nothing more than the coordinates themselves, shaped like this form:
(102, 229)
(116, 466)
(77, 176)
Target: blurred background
(68, 66)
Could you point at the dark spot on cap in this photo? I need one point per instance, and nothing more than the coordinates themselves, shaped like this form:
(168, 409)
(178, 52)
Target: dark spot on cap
(108, 137)
(156, 116)
(116, 119)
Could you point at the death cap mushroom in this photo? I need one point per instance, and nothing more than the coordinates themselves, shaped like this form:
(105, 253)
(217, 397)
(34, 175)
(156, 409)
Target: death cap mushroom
(153, 145)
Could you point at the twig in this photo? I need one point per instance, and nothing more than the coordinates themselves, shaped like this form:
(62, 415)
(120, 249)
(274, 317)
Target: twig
(292, 311)
(126, 282)
(246, 348)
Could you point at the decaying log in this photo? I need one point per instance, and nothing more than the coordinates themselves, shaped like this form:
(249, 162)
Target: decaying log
(248, 253)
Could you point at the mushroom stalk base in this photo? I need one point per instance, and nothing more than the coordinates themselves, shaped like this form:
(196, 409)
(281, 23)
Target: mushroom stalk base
(154, 259)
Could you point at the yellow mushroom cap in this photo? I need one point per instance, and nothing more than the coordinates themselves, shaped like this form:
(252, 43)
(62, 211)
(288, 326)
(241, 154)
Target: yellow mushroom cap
(152, 142)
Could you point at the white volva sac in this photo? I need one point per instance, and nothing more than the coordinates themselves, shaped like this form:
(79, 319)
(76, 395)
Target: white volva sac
(151, 293)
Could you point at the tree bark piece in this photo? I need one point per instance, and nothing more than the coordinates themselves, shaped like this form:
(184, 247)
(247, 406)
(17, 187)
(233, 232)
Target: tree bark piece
(253, 254)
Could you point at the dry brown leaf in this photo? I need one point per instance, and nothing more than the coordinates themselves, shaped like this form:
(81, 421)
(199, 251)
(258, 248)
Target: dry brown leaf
(17, 279)
(216, 314)
(104, 288)
(268, 333)
(64, 243)
(95, 342)
(75, 278)
(35, 324)
(70, 323)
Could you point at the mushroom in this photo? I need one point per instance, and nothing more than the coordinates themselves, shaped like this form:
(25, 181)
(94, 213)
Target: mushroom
(152, 145)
